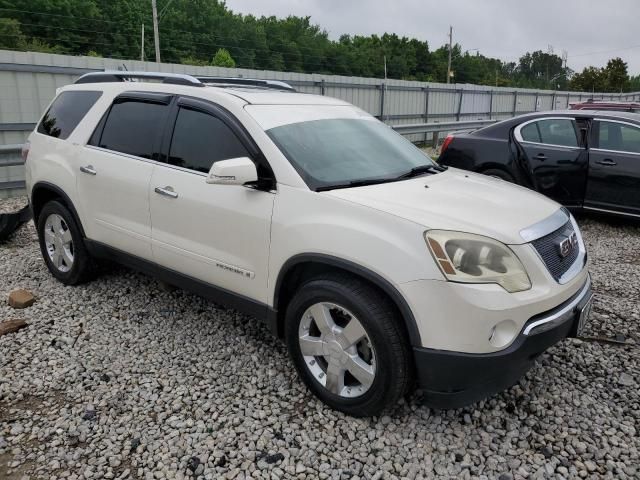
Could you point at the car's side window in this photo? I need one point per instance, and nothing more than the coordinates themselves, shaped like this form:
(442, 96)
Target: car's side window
(200, 139)
(558, 131)
(132, 127)
(619, 136)
(66, 111)
(552, 131)
(530, 133)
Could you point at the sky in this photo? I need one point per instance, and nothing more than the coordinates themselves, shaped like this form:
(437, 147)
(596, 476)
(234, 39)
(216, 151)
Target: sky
(590, 31)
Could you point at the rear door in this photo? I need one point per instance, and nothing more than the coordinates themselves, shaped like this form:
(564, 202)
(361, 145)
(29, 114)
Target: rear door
(614, 167)
(556, 158)
(115, 171)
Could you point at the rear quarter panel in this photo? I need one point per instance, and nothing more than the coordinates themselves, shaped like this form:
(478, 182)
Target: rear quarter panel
(478, 154)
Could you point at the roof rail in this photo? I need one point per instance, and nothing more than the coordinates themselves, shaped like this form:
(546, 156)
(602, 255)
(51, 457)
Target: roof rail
(247, 82)
(120, 76)
(181, 79)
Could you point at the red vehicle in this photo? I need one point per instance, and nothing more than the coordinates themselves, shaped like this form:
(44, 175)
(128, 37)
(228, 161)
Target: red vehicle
(592, 104)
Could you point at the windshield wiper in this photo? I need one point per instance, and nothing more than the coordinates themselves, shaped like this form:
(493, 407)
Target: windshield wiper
(421, 169)
(355, 183)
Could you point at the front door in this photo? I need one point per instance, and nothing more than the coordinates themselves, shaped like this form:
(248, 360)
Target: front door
(614, 167)
(115, 171)
(218, 234)
(556, 158)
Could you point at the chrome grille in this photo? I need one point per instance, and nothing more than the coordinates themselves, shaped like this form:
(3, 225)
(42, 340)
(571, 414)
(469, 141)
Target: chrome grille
(548, 248)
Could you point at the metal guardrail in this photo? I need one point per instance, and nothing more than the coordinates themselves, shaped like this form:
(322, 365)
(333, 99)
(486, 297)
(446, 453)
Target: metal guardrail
(11, 149)
(437, 127)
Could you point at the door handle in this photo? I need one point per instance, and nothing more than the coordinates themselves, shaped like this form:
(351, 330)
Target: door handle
(166, 191)
(88, 169)
(607, 162)
(541, 156)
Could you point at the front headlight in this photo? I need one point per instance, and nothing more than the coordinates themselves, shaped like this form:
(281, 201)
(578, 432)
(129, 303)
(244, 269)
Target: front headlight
(469, 258)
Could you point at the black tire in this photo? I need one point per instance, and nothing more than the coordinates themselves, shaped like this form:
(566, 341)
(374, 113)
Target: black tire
(82, 266)
(384, 328)
(496, 172)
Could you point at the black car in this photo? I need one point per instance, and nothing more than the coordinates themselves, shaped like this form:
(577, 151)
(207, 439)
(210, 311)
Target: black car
(582, 159)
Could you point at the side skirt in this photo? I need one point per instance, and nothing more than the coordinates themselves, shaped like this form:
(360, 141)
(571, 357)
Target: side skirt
(211, 292)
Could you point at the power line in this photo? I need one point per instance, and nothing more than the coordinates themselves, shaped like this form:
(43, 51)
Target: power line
(322, 66)
(605, 51)
(93, 19)
(286, 54)
(134, 28)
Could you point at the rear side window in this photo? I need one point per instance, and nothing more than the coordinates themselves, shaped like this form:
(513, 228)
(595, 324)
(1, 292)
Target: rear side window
(558, 131)
(553, 131)
(65, 113)
(530, 133)
(199, 140)
(132, 127)
(618, 136)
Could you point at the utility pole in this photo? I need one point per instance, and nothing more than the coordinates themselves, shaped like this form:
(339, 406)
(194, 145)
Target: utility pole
(156, 36)
(385, 67)
(142, 45)
(450, 46)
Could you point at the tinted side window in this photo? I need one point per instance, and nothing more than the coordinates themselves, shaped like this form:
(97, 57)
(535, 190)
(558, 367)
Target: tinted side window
(530, 133)
(200, 140)
(65, 113)
(617, 136)
(559, 131)
(132, 127)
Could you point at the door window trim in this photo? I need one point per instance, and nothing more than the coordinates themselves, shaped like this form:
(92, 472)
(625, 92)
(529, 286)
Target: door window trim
(132, 96)
(142, 159)
(518, 136)
(225, 116)
(606, 150)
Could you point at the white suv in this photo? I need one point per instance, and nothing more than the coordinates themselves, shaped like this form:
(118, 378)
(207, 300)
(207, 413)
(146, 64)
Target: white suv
(379, 268)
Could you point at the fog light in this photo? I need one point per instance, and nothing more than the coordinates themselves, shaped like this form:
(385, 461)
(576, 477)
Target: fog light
(503, 333)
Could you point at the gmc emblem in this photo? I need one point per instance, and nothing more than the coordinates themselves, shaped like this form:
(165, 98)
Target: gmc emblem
(567, 245)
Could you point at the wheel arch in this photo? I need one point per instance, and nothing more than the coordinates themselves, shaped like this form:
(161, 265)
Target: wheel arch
(44, 192)
(307, 265)
(497, 166)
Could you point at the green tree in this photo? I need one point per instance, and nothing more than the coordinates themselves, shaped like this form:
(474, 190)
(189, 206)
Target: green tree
(617, 76)
(11, 36)
(591, 79)
(223, 58)
(197, 31)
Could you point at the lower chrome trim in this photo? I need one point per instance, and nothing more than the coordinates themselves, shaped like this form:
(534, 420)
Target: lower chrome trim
(615, 212)
(560, 316)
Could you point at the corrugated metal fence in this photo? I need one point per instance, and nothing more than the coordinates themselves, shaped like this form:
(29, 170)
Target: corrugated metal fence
(28, 82)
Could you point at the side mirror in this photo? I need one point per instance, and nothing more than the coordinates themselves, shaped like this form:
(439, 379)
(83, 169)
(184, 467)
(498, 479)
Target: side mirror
(236, 171)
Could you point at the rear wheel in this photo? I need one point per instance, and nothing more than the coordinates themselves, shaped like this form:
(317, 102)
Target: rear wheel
(348, 345)
(501, 174)
(62, 245)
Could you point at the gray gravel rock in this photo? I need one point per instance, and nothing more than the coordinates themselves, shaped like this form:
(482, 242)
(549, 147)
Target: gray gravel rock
(170, 377)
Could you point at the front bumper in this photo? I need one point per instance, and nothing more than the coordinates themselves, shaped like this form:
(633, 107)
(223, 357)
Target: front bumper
(453, 379)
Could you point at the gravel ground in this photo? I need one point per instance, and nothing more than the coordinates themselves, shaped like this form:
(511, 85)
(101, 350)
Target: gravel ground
(120, 378)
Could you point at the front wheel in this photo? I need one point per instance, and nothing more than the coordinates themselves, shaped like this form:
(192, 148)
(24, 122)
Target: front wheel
(348, 345)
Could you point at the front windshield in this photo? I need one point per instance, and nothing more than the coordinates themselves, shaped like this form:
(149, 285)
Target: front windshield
(337, 152)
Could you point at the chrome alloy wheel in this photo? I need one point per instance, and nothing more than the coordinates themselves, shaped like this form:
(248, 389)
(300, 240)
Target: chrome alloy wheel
(58, 242)
(337, 350)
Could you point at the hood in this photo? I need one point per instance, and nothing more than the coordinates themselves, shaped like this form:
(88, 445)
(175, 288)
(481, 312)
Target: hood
(457, 200)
